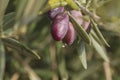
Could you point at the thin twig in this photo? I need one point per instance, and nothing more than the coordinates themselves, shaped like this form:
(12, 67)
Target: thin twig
(85, 10)
(107, 70)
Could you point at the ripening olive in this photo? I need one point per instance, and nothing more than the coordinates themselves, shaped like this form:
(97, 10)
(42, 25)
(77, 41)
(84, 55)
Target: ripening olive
(70, 36)
(59, 26)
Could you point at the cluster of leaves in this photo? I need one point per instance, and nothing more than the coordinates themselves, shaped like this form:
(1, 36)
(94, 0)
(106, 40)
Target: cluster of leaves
(25, 34)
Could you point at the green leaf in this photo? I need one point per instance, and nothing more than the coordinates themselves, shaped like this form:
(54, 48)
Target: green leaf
(2, 60)
(80, 30)
(8, 20)
(99, 34)
(27, 12)
(82, 54)
(20, 8)
(94, 35)
(3, 5)
(100, 49)
(14, 44)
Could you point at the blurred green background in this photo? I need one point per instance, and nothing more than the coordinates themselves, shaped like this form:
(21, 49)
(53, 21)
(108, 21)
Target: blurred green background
(21, 22)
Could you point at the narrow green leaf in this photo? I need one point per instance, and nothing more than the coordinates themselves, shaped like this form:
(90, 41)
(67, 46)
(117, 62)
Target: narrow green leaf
(2, 60)
(20, 8)
(82, 54)
(100, 49)
(94, 35)
(3, 6)
(12, 43)
(27, 12)
(8, 20)
(94, 25)
(80, 30)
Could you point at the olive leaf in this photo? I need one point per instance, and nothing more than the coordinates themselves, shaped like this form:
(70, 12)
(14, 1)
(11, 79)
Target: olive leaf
(3, 5)
(99, 34)
(14, 44)
(20, 8)
(2, 60)
(82, 54)
(94, 35)
(19, 13)
(80, 30)
(8, 20)
(100, 49)
(26, 13)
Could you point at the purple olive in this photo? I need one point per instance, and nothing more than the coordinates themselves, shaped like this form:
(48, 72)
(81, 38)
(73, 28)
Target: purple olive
(77, 15)
(86, 26)
(59, 26)
(70, 36)
(54, 12)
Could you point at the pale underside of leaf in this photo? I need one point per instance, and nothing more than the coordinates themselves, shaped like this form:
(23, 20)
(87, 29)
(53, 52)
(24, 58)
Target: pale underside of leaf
(82, 54)
(99, 34)
(94, 35)
(100, 49)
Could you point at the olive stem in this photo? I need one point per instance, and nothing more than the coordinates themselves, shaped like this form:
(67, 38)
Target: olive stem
(85, 10)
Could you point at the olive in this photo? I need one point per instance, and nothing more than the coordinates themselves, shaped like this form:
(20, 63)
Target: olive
(59, 26)
(70, 36)
(52, 13)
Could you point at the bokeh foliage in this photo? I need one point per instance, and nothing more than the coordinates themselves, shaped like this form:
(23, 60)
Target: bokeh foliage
(24, 33)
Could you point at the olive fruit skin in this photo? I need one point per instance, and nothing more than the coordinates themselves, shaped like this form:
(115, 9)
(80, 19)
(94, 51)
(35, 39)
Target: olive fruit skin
(52, 13)
(77, 15)
(59, 26)
(86, 26)
(70, 36)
